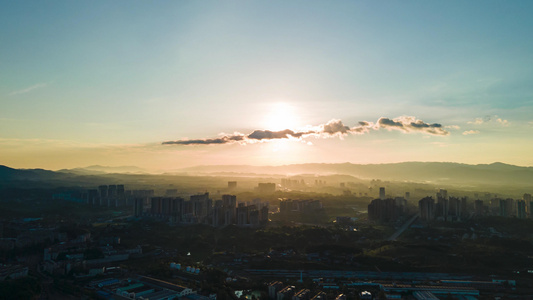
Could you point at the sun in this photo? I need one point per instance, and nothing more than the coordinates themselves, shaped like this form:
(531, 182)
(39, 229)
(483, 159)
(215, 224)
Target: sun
(281, 116)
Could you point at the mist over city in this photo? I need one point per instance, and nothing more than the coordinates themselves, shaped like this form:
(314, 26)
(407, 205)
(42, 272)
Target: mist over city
(266, 150)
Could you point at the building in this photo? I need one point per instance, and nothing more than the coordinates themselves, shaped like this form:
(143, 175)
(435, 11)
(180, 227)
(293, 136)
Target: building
(529, 204)
(232, 185)
(168, 208)
(443, 205)
(289, 183)
(111, 195)
(507, 207)
(92, 197)
(303, 294)
(521, 209)
(290, 209)
(103, 194)
(201, 205)
(243, 214)
(121, 195)
(266, 188)
(138, 207)
(426, 207)
(320, 296)
(274, 288)
(456, 208)
(382, 193)
(228, 210)
(424, 295)
(387, 210)
(286, 293)
(479, 208)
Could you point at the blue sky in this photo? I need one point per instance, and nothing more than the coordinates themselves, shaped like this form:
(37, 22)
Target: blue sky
(86, 77)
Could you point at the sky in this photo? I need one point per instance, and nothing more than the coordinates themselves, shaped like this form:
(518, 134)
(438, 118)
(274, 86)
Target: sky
(172, 84)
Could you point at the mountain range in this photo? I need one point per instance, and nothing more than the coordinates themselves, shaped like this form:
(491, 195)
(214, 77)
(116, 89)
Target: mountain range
(441, 173)
(429, 172)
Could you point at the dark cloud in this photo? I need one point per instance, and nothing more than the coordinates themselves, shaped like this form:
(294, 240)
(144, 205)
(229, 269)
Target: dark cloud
(387, 123)
(410, 124)
(333, 128)
(222, 140)
(270, 135)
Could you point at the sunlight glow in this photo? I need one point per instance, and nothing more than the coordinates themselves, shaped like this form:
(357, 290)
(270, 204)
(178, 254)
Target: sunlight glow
(280, 116)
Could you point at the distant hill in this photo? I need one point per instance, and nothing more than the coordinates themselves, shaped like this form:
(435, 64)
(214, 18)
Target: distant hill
(431, 172)
(97, 169)
(39, 178)
(512, 179)
(7, 173)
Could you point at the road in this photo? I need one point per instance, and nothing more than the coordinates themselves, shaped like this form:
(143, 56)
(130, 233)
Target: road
(400, 230)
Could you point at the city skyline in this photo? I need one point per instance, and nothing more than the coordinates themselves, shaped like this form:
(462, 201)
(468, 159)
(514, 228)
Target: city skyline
(180, 84)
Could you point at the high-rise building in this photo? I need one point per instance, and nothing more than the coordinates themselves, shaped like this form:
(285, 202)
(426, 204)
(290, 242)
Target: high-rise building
(243, 212)
(266, 188)
(169, 208)
(286, 293)
(92, 197)
(454, 208)
(427, 208)
(201, 205)
(529, 205)
(229, 200)
(464, 206)
(479, 208)
(263, 214)
(112, 195)
(138, 207)
(521, 209)
(229, 204)
(232, 185)
(121, 195)
(253, 216)
(506, 207)
(384, 210)
(218, 213)
(156, 208)
(274, 288)
(382, 193)
(442, 207)
(511, 207)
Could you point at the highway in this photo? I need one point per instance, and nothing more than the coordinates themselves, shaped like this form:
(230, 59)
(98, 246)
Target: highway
(400, 230)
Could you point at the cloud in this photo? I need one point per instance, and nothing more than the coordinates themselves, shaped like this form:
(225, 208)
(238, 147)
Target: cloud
(502, 122)
(333, 128)
(489, 119)
(469, 132)
(271, 135)
(409, 124)
(477, 121)
(221, 140)
(28, 89)
(453, 126)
